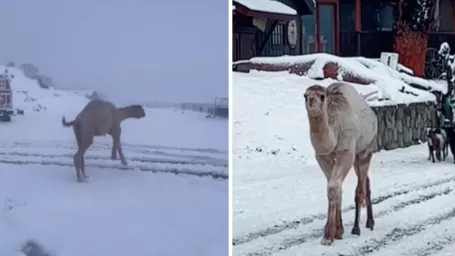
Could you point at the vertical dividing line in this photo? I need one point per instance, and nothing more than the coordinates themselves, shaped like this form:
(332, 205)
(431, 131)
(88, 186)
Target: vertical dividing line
(230, 116)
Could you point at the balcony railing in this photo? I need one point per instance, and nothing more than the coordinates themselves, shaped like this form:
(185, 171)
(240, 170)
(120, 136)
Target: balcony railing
(371, 44)
(366, 44)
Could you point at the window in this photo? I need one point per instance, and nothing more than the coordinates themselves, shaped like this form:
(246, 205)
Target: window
(277, 35)
(347, 15)
(308, 34)
(377, 16)
(386, 16)
(446, 16)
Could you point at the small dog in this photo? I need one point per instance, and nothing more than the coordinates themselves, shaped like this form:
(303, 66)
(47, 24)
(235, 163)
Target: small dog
(437, 143)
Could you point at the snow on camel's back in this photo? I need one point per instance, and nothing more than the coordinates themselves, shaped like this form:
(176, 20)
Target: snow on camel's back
(343, 130)
(99, 118)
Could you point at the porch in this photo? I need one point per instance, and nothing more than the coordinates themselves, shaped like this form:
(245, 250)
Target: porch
(365, 27)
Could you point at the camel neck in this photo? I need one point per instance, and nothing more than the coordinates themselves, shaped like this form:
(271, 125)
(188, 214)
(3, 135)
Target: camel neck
(124, 113)
(318, 124)
(321, 135)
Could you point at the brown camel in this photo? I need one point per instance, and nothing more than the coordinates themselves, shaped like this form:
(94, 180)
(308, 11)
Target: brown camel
(343, 130)
(99, 118)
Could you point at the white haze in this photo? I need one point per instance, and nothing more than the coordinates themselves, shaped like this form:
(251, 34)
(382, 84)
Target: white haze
(131, 50)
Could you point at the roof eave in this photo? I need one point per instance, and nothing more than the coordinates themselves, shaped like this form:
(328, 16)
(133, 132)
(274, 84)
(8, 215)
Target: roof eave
(259, 14)
(307, 7)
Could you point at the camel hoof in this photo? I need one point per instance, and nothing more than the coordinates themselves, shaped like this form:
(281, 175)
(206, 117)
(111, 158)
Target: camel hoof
(113, 157)
(355, 230)
(326, 241)
(339, 233)
(124, 163)
(370, 224)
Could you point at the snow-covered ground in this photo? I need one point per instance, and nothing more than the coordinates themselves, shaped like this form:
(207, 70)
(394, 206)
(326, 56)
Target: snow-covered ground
(171, 199)
(279, 192)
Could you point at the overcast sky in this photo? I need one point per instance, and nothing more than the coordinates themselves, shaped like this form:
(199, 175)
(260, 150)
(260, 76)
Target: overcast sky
(135, 49)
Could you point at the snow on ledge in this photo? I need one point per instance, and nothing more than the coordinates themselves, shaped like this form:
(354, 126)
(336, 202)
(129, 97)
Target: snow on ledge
(271, 6)
(386, 87)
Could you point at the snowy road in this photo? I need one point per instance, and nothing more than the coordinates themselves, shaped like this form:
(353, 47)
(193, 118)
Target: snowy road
(414, 209)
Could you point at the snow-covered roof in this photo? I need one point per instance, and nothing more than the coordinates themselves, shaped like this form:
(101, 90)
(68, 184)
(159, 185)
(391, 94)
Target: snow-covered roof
(270, 6)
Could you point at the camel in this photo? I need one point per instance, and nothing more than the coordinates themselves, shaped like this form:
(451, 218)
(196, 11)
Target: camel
(343, 130)
(99, 118)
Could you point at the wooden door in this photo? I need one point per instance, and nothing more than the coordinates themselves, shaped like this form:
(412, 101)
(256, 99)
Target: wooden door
(247, 45)
(235, 46)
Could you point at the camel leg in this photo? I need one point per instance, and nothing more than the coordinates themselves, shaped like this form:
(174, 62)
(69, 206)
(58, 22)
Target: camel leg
(113, 153)
(120, 152)
(118, 145)
(370, 220)
(340, 229)
(343, 163)
(77, 163)
(78, 157)
(326, 163)
(79, 160)
(361, 166)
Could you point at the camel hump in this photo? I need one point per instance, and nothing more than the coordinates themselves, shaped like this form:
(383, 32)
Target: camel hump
(338, 88)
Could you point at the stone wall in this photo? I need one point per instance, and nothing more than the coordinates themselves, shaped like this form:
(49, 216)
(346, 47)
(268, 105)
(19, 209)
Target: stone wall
(403, 125)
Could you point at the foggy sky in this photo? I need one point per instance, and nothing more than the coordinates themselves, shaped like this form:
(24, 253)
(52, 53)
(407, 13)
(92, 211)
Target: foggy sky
(132, 49)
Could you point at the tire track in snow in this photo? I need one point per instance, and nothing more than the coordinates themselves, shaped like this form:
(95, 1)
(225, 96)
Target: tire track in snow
(136, 159)
(435, 246)
(215, 175)
(318, 233)
(104, 146)
(398, 234)
(307, 220)
(140, 146)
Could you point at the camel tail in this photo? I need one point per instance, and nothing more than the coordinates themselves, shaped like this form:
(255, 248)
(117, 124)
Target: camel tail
(67, 124)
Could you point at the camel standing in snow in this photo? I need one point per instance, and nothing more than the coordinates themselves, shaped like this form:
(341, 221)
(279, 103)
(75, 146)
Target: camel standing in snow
(99, 118)
(343, 130)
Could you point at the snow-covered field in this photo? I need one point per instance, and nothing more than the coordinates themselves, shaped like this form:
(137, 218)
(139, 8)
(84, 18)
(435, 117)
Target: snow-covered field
(279, 192)
(171, 199)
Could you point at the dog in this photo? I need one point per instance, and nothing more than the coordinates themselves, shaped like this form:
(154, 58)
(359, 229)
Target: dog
(438, 143)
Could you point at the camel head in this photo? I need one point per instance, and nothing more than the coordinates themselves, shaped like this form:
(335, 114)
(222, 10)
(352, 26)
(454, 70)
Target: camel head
(136, 111)
(315, 100)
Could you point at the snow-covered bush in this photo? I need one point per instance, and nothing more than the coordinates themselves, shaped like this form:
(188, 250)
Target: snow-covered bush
(418, 14)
